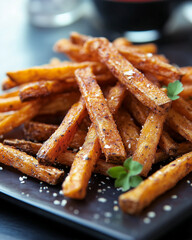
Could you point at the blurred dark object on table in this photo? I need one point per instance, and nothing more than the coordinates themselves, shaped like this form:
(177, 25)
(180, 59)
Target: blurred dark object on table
(139, 20)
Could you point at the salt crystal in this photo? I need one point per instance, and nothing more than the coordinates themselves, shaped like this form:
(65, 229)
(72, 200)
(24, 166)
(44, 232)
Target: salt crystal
(108, 214)
(174, 196)
(63, 202)
(149, 54)
(1, 168)
(129, 73)
(76, 211)
(151, 214)
(115, 208)
(167, 208)
(107, 146)
(147, 220)
(54, 194)
(103, 200)
(56, 202)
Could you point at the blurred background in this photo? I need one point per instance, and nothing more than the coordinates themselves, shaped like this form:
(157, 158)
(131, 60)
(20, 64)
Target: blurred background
(29, 29)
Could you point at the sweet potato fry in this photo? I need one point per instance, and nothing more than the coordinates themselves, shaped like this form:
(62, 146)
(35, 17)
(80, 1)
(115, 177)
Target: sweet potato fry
(180, 124)
(65, 158)
(101, 116)
(78, 39)
(60, 103)
(150, 95)
(10, 94)
(59, 73)
(44, 88)
(40, 132)
(151, 63)
(76, 183)
(7, 83)
(183, 107)
(144, 48)
(128, 131)
(20, 116)
(148, 141)
(164, 179)
(28, 147)
(187, 75)
(140, 113)
(187, 91)
(29, 165)
(10, 104)
(62, 137)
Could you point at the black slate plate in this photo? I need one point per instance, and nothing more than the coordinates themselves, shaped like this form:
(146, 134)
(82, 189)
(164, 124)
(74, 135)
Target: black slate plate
(99, 213)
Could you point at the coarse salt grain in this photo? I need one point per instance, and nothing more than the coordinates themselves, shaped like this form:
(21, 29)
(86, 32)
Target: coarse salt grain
(54, 194)
(108, 214)
(56, 202)
(76, 211)
(107, 146)
(63, 202)
(1, 168)
(174, 196)
(167, 208)
(147, 220)
(103, 200)
(115, 208)
(151, 214)
(129, 73)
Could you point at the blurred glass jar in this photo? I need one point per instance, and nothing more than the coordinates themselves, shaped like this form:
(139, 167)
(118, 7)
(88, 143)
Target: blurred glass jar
(140, 20)
(54, 13)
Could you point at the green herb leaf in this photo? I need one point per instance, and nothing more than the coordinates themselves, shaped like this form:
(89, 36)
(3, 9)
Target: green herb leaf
(174, 89)
(115, 172)
(135, 181)
(126, 175)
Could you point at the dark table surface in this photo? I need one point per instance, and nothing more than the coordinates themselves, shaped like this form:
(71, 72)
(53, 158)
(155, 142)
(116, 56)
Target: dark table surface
(23, 45)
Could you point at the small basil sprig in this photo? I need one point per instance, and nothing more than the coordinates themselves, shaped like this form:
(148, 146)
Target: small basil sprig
(173, 89)
(126, 175)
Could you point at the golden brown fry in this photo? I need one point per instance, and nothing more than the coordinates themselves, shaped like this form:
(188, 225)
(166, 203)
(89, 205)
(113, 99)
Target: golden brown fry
(65, 158)
(44, 88)
(187, 91)
(10, 94)
(18, 117)
(75, 184)
(140, 113)
(128, 131)
(101, 116)
(187, 75)
(78, 38)
(180, 124)
(144, 48)
(10, 104)
(8, 84)
(148, 141)
(60, 103)
(40, 132)
(60, 73)
(62, 137)
(151, 63)
(29, 165)
(164, 179)
(28, 147)
(150, 95)
(183, 107)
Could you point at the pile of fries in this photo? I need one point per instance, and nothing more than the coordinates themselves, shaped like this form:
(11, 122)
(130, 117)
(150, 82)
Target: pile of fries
(113, 105)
